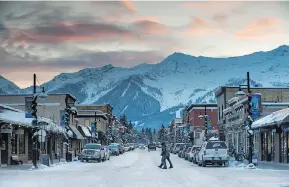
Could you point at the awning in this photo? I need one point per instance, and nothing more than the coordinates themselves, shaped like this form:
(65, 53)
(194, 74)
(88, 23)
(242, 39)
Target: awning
(76, 132)
(275, 118)
(84, 131)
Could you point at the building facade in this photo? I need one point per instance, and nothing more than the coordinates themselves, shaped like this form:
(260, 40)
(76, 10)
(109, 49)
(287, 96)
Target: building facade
(224, 93)
(101, 114)
(16, 134)
(52, 108)
(271, 134)
(198, 125)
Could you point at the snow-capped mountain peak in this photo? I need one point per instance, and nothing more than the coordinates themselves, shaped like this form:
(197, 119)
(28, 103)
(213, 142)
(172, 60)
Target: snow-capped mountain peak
(151, 93)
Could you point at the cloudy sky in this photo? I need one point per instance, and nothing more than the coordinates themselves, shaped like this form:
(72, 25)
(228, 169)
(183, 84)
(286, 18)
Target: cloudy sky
(48, 38)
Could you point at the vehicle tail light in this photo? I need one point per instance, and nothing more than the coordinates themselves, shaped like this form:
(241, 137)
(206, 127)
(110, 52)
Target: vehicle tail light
(204, 152)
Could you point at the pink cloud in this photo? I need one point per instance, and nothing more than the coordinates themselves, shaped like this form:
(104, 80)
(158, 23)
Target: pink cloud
(201, 27)
(261, 28)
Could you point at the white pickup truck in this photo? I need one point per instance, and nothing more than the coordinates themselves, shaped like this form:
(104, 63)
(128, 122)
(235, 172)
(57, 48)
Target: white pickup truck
(213, 152)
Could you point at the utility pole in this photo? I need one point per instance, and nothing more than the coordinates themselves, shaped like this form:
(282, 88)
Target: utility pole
(34, 123)
(206, 124)
(95, 127)
(249, 120)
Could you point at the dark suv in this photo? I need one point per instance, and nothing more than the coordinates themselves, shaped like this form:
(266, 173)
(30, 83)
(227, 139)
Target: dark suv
(152, 147)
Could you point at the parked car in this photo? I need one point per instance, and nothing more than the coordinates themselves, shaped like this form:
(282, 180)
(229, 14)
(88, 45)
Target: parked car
(152, 147)
(213, 152)
(187, 153)
(127, 148)
(183, 150)
(131, 146)
(120, 147)
(193, 152)
(196, 161)
(176, 148)
(114, 149)
(107, 152)
(93, 151)
(141, 146)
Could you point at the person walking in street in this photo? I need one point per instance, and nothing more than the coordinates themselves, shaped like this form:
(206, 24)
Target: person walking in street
(164, 156)
(168, 158)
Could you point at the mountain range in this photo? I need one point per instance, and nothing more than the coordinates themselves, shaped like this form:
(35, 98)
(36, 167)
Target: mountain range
(150, 94)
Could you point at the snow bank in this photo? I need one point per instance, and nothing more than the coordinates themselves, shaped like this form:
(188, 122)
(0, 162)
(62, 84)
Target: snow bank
(237, 164)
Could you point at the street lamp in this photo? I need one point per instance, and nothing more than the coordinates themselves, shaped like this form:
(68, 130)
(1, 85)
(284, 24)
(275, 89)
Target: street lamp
(206, 117)
(249, 119)
(42, 95)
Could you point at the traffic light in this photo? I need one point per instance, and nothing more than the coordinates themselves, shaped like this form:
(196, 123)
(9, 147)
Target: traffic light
(34, 108)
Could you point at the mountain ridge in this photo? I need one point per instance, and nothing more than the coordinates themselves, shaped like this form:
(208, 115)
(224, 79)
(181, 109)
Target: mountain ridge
(149, 94)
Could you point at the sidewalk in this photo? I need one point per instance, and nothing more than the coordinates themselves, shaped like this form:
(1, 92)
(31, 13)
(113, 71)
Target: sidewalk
(272, 165)
(25, 166)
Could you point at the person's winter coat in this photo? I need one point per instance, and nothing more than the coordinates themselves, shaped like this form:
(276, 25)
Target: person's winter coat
(164, 150)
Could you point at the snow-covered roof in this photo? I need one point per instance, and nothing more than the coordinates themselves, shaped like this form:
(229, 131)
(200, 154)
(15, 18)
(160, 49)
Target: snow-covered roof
(17, 117)
(85, 130)
(241, 102)
(233, 100)
(275, 118)
(76, 132)
(10, 108)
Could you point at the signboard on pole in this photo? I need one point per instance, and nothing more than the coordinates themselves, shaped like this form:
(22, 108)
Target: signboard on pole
(255, 105)
(28, 107)
(92, 127)
(62, 117)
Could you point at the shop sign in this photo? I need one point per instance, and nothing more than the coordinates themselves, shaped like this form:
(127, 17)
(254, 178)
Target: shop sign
(285, 129)
(28, 107)
(19, 131)
(255, 105)
(6, 129)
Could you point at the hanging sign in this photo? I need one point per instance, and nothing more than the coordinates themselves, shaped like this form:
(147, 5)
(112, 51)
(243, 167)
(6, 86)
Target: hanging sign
(28, 107)
(6, 129)
(255, 105)
(62, 117)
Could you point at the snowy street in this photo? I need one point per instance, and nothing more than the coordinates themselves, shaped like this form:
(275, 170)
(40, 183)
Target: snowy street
(139, 169)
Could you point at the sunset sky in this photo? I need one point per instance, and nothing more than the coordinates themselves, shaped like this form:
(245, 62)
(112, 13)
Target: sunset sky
(48, 38)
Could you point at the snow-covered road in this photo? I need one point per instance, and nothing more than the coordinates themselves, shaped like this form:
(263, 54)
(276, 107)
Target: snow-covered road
(139, 169)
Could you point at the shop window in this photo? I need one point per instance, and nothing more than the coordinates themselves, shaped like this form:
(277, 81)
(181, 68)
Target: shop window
(21, 143)
(14, 144)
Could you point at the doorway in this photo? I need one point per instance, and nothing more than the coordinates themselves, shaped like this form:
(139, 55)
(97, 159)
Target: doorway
(4, 148)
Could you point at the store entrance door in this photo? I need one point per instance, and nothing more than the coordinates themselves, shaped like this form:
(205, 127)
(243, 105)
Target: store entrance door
(4, 149)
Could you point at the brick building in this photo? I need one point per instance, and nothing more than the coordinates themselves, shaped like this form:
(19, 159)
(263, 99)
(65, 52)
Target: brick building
(192, 119)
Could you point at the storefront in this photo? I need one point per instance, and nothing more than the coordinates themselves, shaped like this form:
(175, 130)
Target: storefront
(271, 137)
(14, 130)
(285, 144)
(16, 134)
(75, 140)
